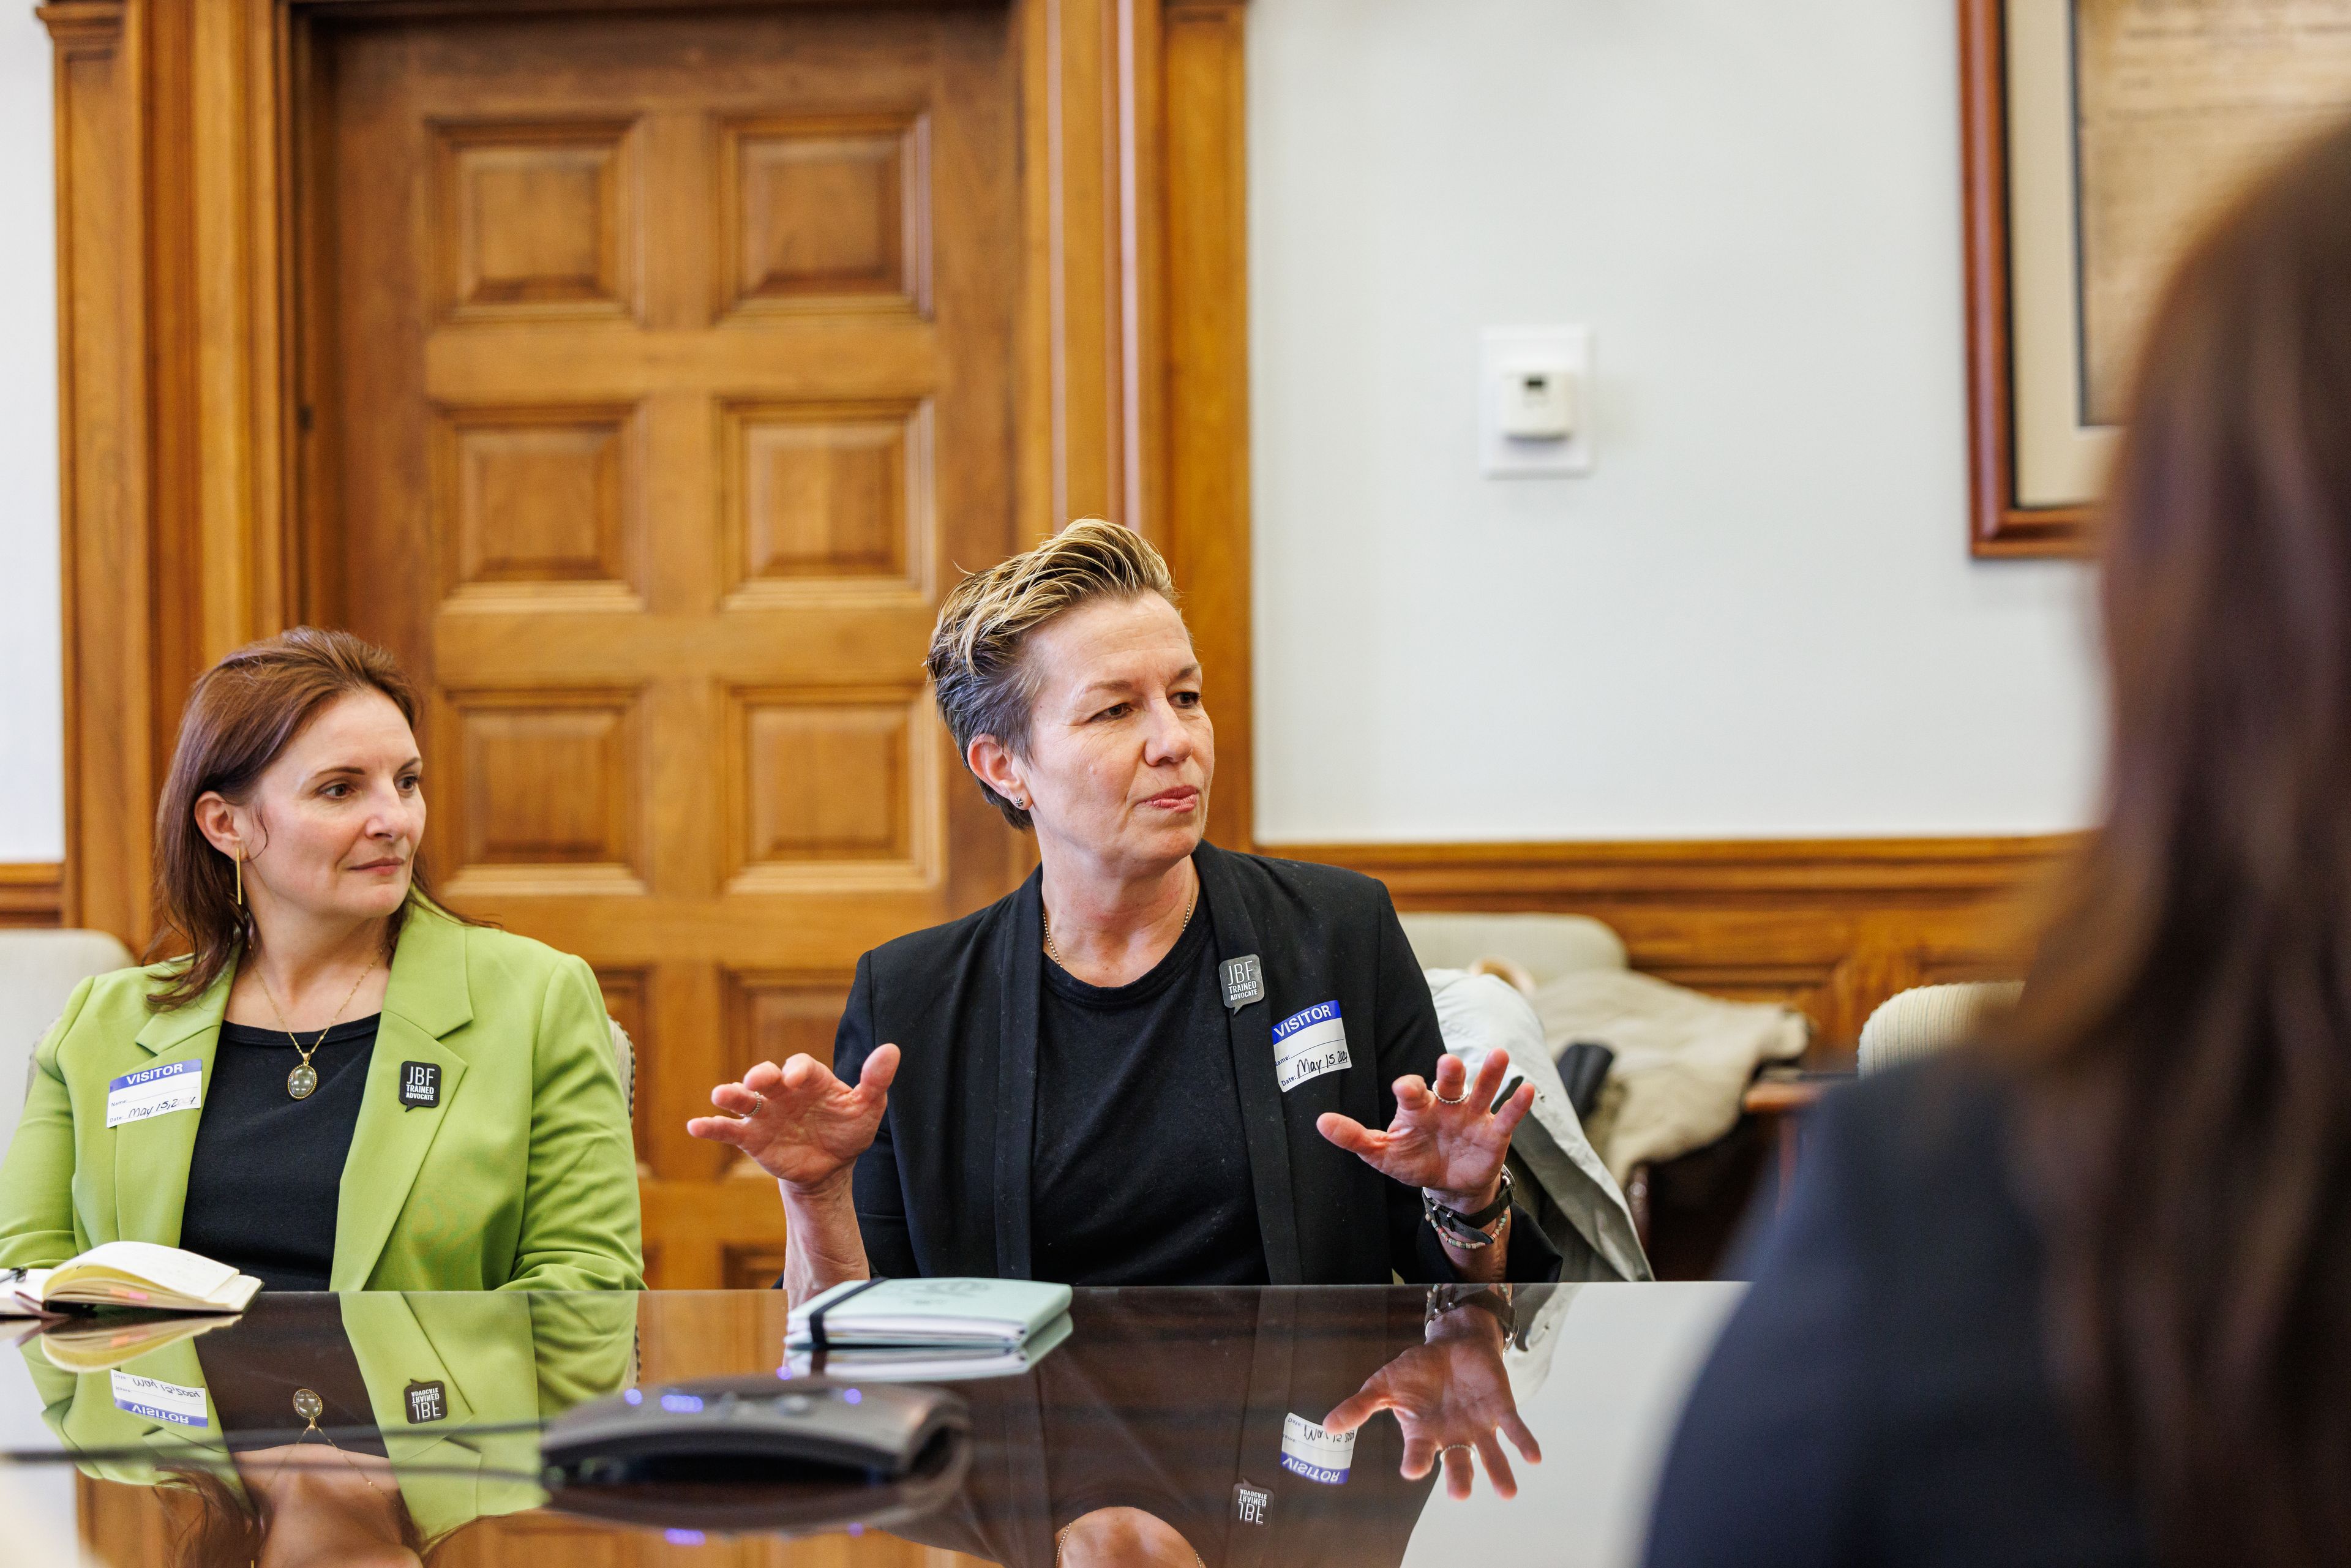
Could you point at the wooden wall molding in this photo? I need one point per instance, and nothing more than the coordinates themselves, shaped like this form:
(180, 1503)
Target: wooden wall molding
(84, 27)
(1833, 927)
(179, 224)
(32, 894)
(1206, 401)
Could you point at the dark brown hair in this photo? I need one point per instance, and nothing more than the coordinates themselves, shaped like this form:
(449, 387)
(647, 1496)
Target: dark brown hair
(2185, 1135)
(241, 715)
(215, 1525)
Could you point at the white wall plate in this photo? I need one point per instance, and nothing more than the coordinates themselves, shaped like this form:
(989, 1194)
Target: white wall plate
(1506, 353)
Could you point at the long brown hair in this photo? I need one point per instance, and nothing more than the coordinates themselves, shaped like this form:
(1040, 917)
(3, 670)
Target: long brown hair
(2186, 1126)
(215, 1525)
(241, 715)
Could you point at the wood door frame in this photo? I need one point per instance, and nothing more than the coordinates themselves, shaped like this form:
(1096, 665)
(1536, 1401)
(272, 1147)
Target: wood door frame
(180, 231)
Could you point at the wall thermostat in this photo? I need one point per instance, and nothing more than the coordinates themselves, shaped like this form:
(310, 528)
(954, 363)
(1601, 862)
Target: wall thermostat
(1534, 393)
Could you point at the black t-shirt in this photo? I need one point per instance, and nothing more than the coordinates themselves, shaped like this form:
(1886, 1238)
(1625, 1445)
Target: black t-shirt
(282, 1346)
(1139, 1170)
(267, 1171)
(1168, 1402)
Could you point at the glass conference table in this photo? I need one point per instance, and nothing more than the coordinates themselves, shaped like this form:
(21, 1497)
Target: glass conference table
(1203, 1409)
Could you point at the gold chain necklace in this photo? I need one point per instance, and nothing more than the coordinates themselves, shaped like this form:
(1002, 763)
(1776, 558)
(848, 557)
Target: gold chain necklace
(309, 1406)
(1194, 904)
(303, 1081)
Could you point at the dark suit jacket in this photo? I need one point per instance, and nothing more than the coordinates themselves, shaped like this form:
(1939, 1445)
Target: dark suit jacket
(1881, 1394)
(945, 1188)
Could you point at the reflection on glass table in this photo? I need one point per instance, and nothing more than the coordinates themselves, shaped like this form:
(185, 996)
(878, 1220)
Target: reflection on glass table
(1243, 1426)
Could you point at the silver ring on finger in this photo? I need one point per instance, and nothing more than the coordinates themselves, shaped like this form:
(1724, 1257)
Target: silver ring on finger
(1461, 1098)
(1454, 1447)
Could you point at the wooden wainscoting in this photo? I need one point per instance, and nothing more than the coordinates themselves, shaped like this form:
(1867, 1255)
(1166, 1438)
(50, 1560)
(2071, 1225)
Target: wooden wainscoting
(32, 893)
(1833, 927)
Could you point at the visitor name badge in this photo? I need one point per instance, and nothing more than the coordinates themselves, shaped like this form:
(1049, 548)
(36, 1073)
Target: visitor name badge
(1315, 1451)
(1308, 1043)
(154, 1091)
(158, 1400)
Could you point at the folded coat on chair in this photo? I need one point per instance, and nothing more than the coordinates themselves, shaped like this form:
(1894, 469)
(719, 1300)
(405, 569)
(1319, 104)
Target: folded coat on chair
(1479, 1013)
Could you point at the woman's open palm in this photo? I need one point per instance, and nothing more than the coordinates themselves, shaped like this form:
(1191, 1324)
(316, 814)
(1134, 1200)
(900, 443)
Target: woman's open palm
(1448, 1137)
(1451, 1397)
(799, 1123)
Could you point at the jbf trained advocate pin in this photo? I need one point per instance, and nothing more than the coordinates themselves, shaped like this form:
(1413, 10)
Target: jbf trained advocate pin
(420, 1083)
(426, 1402)
(1244, 981)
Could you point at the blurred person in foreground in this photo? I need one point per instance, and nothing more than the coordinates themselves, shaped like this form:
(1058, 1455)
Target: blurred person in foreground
(2080, 1294)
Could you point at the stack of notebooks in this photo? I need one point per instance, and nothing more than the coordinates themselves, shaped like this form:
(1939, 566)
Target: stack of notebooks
(911, 1330)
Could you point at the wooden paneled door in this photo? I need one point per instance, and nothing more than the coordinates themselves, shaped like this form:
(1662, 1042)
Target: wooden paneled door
(664, 377)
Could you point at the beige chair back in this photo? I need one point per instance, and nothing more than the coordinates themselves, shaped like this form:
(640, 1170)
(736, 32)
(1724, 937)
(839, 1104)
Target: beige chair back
(1545, 945)
(1925, 1019)
(39, 970)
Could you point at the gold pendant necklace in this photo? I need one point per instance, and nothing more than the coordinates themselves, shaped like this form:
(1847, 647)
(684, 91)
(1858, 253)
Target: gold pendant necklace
(303, 1081)
(309, 1406)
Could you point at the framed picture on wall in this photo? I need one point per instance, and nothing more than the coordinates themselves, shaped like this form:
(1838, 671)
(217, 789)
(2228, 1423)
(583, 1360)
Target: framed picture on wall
(2096, 136)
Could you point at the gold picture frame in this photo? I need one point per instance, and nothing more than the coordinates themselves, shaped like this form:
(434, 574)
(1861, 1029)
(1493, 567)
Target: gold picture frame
(2096, 136)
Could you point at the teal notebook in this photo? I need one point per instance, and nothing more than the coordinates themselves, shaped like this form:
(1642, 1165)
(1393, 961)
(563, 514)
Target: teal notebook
(927, 1362)
(947, 1313)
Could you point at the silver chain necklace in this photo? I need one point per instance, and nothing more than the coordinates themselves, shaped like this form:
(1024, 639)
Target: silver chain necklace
(1179, 930)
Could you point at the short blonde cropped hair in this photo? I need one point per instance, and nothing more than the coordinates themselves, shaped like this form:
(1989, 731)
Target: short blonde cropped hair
(984, 683)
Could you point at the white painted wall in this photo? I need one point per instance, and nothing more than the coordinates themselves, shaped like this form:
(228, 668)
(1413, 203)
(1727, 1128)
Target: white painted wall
(1757, 616)
(32, 744)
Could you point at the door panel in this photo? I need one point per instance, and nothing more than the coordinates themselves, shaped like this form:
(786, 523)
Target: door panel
(669, 378)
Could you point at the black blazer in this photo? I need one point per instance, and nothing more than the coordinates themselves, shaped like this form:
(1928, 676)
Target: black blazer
(1881, 1395)
(944, 1188)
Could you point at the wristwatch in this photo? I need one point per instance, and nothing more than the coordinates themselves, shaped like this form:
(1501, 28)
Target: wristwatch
(1497, 1300)
(1470, 1231)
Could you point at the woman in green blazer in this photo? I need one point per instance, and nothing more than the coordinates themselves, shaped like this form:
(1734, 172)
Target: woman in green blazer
(344, 1086)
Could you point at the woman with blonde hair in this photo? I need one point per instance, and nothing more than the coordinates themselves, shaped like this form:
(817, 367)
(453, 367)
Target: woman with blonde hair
(1156, 1061)
(341, 1086)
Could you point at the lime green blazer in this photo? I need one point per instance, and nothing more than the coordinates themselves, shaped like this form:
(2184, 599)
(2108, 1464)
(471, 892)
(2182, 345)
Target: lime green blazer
(523, 1178)
(504, 1362)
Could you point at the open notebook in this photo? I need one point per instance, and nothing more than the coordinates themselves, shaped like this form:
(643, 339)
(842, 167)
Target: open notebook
(127, 1274)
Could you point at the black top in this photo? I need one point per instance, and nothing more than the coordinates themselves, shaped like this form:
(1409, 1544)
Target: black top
(285, 1344)
(1170, 1402)
(267, 1171)
(1881, 1395)
(1172, 1210)
(948, 1187)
